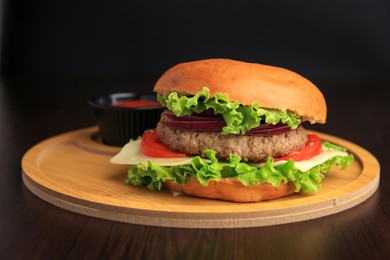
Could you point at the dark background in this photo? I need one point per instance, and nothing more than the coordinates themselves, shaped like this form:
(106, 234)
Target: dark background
(123, 39)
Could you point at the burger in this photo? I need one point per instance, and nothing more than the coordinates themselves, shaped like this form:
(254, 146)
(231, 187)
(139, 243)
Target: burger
(233, 131)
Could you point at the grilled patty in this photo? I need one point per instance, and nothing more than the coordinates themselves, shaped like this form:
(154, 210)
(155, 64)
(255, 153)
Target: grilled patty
(251, 148)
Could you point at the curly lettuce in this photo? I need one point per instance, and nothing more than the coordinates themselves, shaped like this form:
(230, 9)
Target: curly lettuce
(153, 176)
(238, 118)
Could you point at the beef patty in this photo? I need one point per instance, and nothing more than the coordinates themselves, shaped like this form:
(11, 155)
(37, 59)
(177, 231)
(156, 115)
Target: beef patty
(251, 148)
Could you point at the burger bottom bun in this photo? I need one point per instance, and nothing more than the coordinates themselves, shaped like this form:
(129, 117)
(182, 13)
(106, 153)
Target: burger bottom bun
(232, 190)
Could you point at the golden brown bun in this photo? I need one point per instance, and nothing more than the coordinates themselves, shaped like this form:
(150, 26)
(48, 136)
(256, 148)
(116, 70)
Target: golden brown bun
(232, 190)
(246, 83)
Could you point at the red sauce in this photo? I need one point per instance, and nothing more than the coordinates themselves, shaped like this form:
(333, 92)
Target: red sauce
(137, 103)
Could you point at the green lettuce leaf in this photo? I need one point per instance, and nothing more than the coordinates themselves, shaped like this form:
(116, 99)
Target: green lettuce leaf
(153, 175)
(238, 118)
(328, 145)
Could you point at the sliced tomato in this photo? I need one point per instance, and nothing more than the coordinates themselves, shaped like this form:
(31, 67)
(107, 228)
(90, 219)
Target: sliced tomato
(153, 147)
(313, 147)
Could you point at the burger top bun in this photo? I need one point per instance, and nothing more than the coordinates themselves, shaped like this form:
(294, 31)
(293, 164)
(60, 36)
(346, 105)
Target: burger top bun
(246, 83)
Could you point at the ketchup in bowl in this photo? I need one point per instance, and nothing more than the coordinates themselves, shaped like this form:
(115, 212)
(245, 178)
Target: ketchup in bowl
(125, 116)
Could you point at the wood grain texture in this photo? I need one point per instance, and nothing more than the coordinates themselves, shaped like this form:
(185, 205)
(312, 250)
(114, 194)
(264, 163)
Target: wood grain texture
(72, 171)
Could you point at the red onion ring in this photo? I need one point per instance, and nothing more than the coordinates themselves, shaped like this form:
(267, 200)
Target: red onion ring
(269, 129)
(204, 126)
(207, 122)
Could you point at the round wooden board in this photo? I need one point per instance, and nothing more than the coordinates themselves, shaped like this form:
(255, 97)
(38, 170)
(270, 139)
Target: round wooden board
(72, 171)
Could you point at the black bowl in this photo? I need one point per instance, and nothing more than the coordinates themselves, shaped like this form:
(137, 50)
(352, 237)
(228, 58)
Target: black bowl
(119, 124)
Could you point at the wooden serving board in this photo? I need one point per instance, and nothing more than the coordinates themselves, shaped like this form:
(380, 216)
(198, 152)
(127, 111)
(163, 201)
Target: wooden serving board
(72, 171)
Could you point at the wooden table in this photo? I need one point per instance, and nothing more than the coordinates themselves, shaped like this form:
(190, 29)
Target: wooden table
(36, 109)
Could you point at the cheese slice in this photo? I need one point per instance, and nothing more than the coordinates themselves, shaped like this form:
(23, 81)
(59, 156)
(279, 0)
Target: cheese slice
(131, 154)
(306, 165)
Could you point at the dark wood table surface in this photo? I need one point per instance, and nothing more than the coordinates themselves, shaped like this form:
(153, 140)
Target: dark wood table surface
(32, 110)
